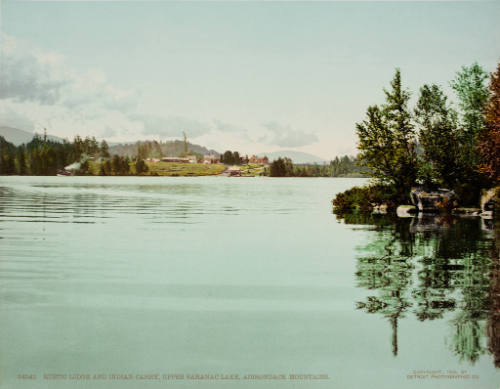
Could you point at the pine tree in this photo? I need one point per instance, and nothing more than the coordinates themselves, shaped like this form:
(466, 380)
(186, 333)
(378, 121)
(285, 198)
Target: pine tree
(104, 149)
(21, 161)
(438, 137)
(387, 141)
(472, 92)
(236, 158)
(141, 167)
(399, 123)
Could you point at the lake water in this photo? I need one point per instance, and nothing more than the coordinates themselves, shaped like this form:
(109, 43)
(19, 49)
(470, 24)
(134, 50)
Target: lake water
(255, 277)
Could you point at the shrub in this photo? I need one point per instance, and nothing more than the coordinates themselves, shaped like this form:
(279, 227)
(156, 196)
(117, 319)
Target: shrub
(141, 167)
(365, 198)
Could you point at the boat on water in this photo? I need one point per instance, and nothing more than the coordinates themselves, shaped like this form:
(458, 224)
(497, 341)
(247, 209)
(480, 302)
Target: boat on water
(64, 173)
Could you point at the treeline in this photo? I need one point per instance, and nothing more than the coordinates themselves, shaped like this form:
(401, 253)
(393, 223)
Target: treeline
(348, 166)
(114, 166)
(45, 157)
(435, 144)
(345, 166)
(232, 158)
(42, 156)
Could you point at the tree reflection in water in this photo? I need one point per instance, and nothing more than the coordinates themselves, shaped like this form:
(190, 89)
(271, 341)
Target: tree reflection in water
(493, 328)
(430, 266)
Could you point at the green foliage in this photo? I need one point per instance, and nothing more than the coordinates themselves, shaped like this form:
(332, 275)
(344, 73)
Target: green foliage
(347, 166)
(102, 171)
(42, 156)
(472, 92)
(84, 169)
(438, 136)
(143, 150)
(231, 158)
(281, 167)
(141, 167)
(82, 147)
(21, 161)
(236, 158)
(120, 166)
(387, 140)
(45, 157)
(7, 152)
(447, 149)
(344, 166)
(365, 198)
(104, 149)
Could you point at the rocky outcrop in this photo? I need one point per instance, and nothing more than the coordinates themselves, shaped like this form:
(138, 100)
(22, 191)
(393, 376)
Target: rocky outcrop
(489, 202)
(433, 201)
(406, 211)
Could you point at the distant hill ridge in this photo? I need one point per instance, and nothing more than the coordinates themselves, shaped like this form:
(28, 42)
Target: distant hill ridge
(18, 137)
(171, 148)
(297, 157)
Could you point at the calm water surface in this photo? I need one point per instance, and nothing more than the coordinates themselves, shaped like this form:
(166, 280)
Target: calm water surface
(216, 275)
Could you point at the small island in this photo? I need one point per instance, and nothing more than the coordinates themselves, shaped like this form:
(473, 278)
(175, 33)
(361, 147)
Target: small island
(435, 157)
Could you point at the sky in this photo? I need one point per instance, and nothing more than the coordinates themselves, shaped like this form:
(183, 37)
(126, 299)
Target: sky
(248, 76)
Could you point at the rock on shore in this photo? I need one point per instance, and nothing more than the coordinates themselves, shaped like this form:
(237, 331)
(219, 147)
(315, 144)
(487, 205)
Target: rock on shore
(433, 201)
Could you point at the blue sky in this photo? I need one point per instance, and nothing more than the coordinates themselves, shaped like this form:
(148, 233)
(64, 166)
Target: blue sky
(251, 76)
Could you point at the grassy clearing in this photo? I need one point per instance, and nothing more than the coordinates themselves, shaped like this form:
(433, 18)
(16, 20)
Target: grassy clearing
(171, 169)
(252, 170)
(180, 169)
(94, 168)
(183, 169)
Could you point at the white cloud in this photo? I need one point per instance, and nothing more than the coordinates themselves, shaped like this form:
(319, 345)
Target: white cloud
(28, 75)
(285, 136)
(39, 90)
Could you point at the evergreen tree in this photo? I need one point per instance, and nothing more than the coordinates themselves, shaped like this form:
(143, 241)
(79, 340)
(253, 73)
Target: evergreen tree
(84, 169)
(77, 148)
(472, 92)
(141, 167)
(116, 164)
(21, 161)
(438, 137)
(7, 155)
(143, 150)
(107, 169)
(227, 158)
(236, 158)
(387, 140)
(102, 171)
(281, 167)
(398, 120)
(104, 149)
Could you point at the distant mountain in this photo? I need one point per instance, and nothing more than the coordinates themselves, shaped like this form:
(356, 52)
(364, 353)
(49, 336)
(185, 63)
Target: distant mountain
(295, 156)
(18, 137)
(13, 135)
(172, 148)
